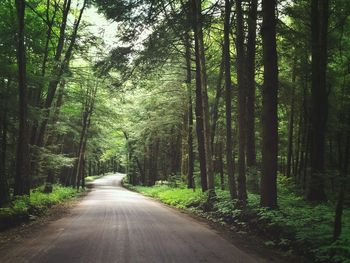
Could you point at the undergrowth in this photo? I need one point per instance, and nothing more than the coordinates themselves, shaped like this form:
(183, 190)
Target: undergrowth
(296, 225)
(22, 207)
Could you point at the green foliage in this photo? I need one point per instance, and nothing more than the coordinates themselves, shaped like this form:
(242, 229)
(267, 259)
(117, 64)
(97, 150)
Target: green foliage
(23, 206)
(179, 197)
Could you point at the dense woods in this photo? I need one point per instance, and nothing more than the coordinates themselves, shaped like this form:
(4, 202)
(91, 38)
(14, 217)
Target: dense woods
(246, 98)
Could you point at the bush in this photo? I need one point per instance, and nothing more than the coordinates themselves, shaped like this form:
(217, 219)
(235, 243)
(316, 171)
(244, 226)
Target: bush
(22, 207)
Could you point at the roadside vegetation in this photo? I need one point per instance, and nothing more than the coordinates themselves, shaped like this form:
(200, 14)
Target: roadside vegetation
(297, 226)
(24, 208)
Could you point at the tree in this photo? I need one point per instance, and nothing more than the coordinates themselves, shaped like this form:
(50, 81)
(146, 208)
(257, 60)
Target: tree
(319, 30)
(228, 101)
(200, 96)
(241, 84)
(190, 169)
(22, 180)
(250, 67)
(268, 189)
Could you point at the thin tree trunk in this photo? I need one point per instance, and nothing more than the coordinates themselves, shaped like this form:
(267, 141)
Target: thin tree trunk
(199, 99)
(268, 189)
(241, 83)
(205, 107)
(228, 101)
(215, 108)
(291, 126)
(4, 186)
(22, 178)
(190, 169)
(184, 142)
(250, 116)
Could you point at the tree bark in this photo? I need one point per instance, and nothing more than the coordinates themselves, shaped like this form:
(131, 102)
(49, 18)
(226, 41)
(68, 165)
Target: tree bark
(241, 83)
(22, 178)
(291, 125)
(200, 126)
(190, 165)
(4, 186)
(268, 196)
(228, 101)
(215, 108)
(250, 66)
(319, 97)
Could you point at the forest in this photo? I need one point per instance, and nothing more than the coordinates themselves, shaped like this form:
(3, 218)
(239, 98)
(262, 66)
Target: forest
(235, 110)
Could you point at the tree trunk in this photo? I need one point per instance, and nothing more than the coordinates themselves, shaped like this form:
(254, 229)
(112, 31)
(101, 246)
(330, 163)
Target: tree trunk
(22, 178)
(199, 98)
(190, 165)
(241, 83)
(319, 28)
(250, 116)
(184, 142)
(4, 186)
(221, 166)
(269, 110)
(215, 108)
(228, 101)
(291, 126)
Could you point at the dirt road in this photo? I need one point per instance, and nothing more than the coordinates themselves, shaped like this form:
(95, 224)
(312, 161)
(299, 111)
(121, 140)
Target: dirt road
(112, 224)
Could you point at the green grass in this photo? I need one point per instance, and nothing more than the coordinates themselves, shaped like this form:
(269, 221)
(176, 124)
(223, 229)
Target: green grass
(297, 225)
(22, 207)
(178, 197)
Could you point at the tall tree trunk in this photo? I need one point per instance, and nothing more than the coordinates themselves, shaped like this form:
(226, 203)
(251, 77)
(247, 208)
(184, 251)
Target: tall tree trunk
(319, 28)
(228, 101)
(241, 83)
(200, 125)
(206, 117)
(250, 66)
(22, 178)
(4, 186)
(215, 108)
(269, 110)
(190, 167)
(291, 125)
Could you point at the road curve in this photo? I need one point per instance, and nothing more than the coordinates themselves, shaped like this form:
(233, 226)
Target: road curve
(112, 224)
